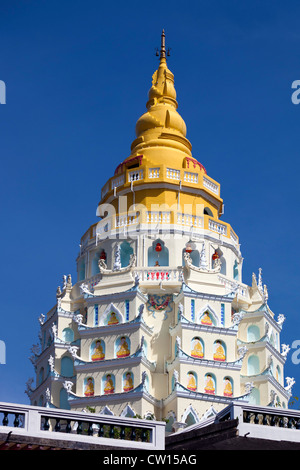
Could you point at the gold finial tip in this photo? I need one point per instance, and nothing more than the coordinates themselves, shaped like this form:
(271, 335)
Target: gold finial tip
(163, 45)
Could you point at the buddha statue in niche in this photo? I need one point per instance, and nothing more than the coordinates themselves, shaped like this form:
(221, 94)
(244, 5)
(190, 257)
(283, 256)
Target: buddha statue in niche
(109, 385)
(191, 385)
(123, 350)
(89, 388)
(209, 385)
(98, 354)
(219, 354)
(197, 350)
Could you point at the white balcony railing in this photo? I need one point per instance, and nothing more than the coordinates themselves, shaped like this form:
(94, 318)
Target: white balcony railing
(217, 227)
(154, 172)
(173, 174)
(210, 185)
(135, 175)
(159, 274)
(80, 428)
(190, 177)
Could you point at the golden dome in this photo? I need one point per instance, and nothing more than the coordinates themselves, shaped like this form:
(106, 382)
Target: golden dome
(161, 127)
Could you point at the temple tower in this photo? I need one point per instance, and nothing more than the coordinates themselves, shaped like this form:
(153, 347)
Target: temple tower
(159, 321)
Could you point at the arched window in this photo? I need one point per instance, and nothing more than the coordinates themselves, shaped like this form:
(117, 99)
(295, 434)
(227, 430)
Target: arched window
(253, 365)
(158, 254)
(207, 211)
(125, 251)
(66, 367)
(68, 335)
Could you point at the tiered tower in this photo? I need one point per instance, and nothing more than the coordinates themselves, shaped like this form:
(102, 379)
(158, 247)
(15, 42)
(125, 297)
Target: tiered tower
(159, 322)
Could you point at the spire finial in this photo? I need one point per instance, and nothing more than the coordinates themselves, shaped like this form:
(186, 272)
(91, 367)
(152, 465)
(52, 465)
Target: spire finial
(163, 45)
(163, 53)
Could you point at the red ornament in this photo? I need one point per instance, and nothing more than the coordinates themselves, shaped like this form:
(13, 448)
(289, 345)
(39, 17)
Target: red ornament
(158, 247)
(103, 255)
(215, 255)
(189, 249)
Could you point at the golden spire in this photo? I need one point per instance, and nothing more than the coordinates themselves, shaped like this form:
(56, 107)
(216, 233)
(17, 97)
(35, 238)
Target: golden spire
(161, 125)
(163, 46)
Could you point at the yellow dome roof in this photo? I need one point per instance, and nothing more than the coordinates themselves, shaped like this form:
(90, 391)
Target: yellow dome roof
(161, 128)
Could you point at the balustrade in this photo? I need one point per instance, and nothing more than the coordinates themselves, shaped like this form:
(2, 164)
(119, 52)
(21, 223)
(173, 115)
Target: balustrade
(46, 423)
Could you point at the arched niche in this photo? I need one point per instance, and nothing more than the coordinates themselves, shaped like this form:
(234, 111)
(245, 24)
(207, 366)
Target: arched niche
(191, 249)
(253, 333)
(192, 381)
(66, 367)
(158, 254)
(111, 316)
(126, 251)
(122, 347)
(219, 253)
(207, 316)
(108, 384)
(227, 386)
(219, 350)
(197, 347)
(210, 383)
(68, 335)
(253, 367)
(95, 262)
(190, 416)
(127, 381)
(97, 350)
(89, 387)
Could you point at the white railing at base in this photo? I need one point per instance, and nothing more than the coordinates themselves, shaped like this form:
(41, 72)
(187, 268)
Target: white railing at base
(74, 426)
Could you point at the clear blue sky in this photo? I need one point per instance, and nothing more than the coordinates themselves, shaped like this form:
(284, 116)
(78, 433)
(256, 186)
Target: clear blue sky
(77, 74)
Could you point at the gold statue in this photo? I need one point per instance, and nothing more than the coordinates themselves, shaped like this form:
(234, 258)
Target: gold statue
(109, 385)
(219, 354)
(89, 389)
(191, 382)
(209, 385)
(128, 383)
(123, 350)
(98, 353)
(197, 351)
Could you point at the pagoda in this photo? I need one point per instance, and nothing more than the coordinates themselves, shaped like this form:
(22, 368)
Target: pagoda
(159, 323)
